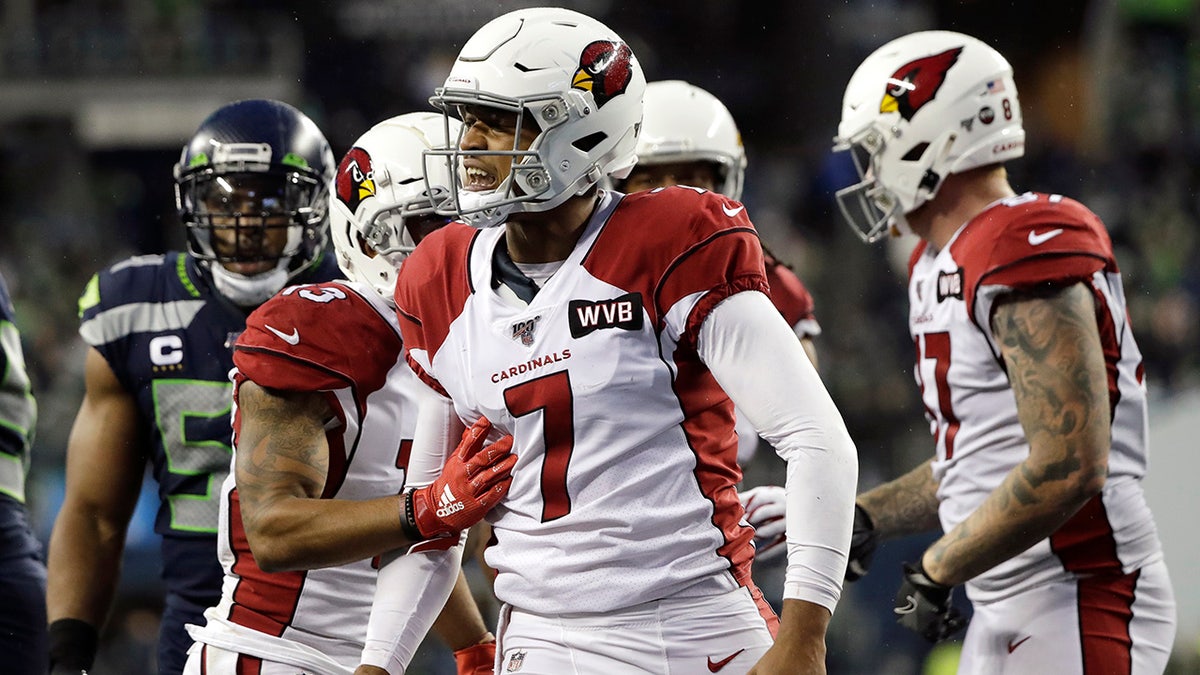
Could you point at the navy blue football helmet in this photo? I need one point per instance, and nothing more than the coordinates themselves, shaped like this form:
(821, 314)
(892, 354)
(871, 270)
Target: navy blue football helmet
(251, 188)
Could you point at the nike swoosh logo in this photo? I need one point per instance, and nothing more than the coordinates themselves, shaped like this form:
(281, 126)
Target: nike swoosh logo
(292, 338)
(1036, 239)
(714, 666)
(909, 608)
(732, 212)
(1012, 646)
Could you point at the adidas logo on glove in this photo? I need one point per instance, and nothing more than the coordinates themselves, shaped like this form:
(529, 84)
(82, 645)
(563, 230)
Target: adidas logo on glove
(447, 504)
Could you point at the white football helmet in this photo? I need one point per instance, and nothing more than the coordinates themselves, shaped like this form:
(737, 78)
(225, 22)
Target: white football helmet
(563, 73)
(918, 109)
(383, 197)
(684, 123)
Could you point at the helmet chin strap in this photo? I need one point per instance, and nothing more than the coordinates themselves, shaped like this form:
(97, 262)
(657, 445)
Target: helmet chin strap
(249, 291)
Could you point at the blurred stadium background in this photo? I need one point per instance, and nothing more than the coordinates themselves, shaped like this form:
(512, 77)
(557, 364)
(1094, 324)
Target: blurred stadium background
(97, 97)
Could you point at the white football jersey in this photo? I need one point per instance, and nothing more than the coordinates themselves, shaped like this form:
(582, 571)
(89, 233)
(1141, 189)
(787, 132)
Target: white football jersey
(623, 491)
(1021, 242)
(342, 339)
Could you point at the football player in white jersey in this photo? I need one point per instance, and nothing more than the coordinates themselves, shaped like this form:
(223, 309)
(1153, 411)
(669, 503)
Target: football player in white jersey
(603, 331)
(323, 433)
(689, 137)
(1029, 374)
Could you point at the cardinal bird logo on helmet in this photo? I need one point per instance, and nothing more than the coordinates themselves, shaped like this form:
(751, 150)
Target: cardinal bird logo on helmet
(355, 179)
(916, 83)
(604, 69)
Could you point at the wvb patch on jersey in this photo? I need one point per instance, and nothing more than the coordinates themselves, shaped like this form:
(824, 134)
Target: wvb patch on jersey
(950, 285)
(623, 312)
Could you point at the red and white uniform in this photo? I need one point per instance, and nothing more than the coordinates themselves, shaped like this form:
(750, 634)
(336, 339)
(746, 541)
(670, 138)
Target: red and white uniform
(623, 492)
(627, 461)
(1021, 242)
(791, 298)
(341, 339)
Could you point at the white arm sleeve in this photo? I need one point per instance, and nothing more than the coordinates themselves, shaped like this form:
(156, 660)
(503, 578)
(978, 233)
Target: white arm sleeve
(410, 594)
(758, 361)
(413, 587)
(435, 436)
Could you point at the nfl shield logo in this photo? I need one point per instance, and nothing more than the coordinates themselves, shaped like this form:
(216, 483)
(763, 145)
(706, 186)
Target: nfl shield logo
(515, 661)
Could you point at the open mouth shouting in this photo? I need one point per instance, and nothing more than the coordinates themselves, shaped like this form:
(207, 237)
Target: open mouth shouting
(479, 177)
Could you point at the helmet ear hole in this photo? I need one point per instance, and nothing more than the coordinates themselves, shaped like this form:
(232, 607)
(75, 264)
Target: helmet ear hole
(587, 143)
(363, 246)
(915, 153)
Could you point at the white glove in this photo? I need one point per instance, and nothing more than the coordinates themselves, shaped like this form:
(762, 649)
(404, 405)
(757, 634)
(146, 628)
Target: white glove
(766, 511)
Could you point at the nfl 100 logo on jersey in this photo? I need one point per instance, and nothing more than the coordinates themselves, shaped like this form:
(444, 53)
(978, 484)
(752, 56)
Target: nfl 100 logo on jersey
(522, 331)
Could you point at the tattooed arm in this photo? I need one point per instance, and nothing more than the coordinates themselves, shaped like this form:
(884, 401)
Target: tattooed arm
(907, 505)
(281, 464)
(1051, 348)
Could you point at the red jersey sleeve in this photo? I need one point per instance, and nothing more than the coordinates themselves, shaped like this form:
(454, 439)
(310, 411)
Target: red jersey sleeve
(431, 289)
(318, 337)
(681, 242)
(1028, 241)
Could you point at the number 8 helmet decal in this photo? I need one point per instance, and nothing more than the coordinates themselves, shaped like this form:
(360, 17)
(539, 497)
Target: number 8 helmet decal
(918, 109)
(564, 74)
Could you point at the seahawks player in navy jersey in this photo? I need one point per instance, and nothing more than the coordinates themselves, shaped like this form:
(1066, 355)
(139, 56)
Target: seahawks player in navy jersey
(251, 189)
(22, 572)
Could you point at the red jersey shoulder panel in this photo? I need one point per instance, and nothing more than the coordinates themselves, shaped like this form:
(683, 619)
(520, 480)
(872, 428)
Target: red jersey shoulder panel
(677, 241)
(297, 341)
(1030, 240)
(433, 286)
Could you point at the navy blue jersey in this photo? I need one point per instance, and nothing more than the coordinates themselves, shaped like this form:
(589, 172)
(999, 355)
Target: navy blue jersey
(168, 337)
(22, 572)
(18, 412)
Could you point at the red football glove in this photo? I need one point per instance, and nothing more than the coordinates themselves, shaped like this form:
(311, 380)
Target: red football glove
(477, 659)
(474, 479)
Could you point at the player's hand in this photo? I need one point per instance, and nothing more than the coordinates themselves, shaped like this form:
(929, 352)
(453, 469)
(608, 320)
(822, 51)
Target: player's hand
(862, 545)
(474, 479)
(923, 606)
(478, 659)
(766, 511)
(369, 670)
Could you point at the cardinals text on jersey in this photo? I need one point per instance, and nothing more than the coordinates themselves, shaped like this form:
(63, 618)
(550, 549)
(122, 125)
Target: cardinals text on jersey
(627, 457)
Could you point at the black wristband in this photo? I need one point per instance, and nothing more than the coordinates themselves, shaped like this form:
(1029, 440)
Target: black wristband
(860, 512)
(408, 525)
(73, 643)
